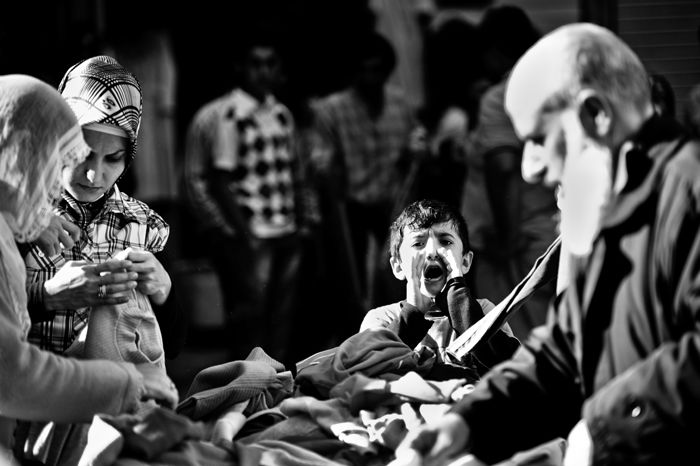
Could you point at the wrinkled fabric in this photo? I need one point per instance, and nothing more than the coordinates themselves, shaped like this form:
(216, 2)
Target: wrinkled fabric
(38, 137)
(216, 388)
(372, 352)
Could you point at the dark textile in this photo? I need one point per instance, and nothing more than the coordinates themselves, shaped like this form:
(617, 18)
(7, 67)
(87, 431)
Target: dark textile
(373, 352)
(621, 347)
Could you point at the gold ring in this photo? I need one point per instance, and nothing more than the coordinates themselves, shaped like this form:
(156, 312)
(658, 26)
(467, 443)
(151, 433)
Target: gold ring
(102, 292)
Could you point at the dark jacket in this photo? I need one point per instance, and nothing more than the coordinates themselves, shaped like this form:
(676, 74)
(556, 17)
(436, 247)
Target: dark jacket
(622, 345)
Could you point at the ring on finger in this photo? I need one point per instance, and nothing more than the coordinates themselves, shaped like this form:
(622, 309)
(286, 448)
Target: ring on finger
(102, 291)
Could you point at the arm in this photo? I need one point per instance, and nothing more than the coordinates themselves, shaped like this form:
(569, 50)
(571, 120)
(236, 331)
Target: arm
(464, 311)
(198, 182)
(39, 385)
(327, 157)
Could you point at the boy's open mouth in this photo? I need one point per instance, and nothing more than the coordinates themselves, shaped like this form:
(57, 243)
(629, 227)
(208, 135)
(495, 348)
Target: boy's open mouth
(433, 272)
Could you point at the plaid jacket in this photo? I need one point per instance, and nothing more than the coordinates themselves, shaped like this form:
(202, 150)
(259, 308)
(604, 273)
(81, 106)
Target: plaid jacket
(121, 223)
(365, 151)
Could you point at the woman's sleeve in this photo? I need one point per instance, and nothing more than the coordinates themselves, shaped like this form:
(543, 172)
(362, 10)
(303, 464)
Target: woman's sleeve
(37, 385)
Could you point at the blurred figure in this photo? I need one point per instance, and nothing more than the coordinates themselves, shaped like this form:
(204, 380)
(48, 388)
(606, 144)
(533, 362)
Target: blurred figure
(691, 110)
(662, 96)
(149, 55)
(512, 221)
(369, 134)
(242, 180)
(41, 138)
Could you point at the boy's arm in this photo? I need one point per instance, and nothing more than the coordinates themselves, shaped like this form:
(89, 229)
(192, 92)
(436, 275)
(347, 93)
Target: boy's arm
(198, 175)
(412, 325)
(463, 312)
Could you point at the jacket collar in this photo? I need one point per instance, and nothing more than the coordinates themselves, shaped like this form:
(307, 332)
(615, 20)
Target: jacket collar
(646, 154)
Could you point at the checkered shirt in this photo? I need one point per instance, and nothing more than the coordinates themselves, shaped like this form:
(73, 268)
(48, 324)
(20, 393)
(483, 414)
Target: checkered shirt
(121, 223)
(252, 143)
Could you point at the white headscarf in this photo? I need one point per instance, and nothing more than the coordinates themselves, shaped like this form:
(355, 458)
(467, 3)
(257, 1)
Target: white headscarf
(39, 135)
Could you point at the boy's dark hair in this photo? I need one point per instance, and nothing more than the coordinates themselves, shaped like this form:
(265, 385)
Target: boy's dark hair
(423, 214)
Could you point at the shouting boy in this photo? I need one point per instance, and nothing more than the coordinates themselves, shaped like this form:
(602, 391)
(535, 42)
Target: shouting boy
(430, 250)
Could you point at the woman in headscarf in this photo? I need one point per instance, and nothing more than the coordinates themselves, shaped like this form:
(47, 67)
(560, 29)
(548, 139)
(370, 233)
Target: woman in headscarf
(39, 136)
(106, 98)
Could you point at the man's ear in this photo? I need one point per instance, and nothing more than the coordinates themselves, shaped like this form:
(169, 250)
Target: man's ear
(467, 262)
(396, 268)
(595, 114)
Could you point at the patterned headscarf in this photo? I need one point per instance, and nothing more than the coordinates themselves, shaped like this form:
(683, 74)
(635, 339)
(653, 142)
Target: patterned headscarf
(39, 135)
(103, 94)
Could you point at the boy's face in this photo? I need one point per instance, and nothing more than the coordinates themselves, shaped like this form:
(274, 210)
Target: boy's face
(429, 257)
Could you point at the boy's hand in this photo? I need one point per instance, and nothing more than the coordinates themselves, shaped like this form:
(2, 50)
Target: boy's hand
(413, 275)
(153, 281)
(451, 262)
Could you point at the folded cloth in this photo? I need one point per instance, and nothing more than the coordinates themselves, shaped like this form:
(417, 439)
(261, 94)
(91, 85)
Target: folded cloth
(372, 352)
(219, 387)
(138, 436)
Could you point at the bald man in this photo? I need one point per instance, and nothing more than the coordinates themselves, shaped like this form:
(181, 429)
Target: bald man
(617, 368)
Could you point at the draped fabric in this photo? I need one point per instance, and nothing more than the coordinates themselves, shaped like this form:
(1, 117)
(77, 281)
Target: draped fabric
(38, 137)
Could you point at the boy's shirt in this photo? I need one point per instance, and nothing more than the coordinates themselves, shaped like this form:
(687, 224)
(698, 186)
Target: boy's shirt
(122, 222)
(434, 330)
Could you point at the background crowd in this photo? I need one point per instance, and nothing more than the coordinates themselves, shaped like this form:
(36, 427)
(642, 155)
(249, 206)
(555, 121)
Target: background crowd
(380, 103)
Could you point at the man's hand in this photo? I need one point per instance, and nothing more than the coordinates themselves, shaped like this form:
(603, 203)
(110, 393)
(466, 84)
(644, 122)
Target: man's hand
(158, 385)
(60, 234)
(579, 450)
(153, 281)
(438, 442)
(77, 284)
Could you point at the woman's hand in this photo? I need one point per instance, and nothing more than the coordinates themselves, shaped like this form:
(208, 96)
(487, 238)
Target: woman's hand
(153, 280)
(60, 234)
(158, 386)
(81, 284)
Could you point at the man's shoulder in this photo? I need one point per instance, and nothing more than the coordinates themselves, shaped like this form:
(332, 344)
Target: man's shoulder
(687, 160)
(215, 107)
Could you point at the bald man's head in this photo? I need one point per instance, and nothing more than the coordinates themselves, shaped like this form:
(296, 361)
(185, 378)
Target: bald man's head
(574, 98)
(572, 58)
